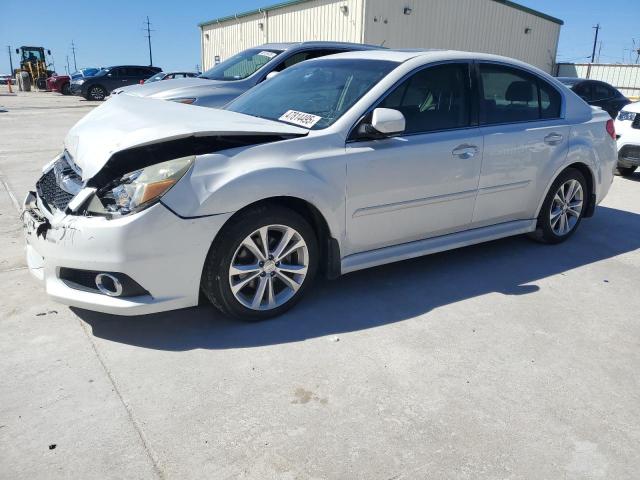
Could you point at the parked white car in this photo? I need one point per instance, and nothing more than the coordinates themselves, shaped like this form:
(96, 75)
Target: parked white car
(338, 164)
(628, 130)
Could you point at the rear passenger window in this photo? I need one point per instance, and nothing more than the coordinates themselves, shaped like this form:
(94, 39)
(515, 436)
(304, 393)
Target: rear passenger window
(601, 92)
(436, 98)
(509, 95)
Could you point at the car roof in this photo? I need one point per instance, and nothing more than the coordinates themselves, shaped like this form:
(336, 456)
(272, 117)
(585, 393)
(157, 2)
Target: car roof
(434, 55)
(319, 44)
(136, 66)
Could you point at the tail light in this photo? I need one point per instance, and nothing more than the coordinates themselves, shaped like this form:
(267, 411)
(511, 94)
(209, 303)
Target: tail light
(611, 129)
(141, 82)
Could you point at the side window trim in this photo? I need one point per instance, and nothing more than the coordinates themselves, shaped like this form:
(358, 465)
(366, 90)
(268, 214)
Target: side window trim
(472, 100)
(538, 80)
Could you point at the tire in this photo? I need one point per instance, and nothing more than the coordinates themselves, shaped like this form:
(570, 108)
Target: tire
(264, 291)
(96, 93)
(555, 210)
(625, 171)
(66, 89)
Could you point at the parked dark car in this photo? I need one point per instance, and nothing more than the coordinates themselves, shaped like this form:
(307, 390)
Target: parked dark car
(597, 93)
(102, 83)
(171, 76)
(61, 83)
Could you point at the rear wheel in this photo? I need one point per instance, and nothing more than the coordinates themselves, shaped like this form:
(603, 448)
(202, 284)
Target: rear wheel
(625, 171)
(563, 208)
(96, 92)
(261, 264)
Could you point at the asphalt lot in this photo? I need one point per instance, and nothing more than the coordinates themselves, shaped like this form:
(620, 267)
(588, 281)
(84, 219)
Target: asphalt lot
(508, 360)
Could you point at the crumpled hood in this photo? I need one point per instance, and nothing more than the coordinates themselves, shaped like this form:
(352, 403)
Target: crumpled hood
(176, 88)
(125, 121)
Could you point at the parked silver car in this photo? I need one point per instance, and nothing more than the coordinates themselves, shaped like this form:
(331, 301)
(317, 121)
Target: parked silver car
(219, 85)
(339, 163)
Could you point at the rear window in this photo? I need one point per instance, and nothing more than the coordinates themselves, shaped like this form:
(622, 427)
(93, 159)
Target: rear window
(510, 95)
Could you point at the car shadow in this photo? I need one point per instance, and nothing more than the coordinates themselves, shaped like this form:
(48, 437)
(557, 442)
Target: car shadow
(386, 294)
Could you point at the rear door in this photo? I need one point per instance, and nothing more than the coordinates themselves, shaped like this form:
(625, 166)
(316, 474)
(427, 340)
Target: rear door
(523, 136)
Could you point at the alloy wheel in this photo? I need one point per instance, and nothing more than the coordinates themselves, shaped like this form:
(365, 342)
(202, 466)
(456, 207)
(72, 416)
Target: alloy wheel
(566, 207)
(96, 93)
(269, 267)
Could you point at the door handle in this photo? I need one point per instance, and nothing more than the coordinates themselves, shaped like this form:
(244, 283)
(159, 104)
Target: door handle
(553, 139)
(465, 151)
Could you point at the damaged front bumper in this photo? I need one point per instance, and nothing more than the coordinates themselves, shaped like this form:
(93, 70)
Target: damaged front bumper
(161, 252)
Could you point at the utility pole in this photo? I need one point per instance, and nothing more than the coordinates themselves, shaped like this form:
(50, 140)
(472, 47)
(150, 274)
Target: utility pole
(595, 42)
(149, 40)
(73, 49)
(10, 58)
(68, 69)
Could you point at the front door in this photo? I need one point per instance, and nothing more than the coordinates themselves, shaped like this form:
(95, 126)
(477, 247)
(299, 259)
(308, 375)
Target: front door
(423, 182)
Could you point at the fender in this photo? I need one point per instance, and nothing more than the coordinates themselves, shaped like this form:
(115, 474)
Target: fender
(213, 188)
(579, 152)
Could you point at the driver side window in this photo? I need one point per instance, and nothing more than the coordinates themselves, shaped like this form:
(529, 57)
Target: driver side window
(436, 98)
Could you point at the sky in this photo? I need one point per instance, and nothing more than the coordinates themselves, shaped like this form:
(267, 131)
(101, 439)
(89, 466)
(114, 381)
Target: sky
(113, 33)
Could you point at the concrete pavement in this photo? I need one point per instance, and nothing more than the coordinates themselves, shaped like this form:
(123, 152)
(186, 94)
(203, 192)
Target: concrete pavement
(508, 360)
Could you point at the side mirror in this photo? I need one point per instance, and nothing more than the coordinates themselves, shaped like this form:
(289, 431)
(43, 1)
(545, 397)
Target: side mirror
(48, 52)
(18, 51)
(270, 75)
(388, 121)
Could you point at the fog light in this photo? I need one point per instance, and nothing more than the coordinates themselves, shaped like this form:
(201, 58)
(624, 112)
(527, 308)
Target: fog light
(108, 284)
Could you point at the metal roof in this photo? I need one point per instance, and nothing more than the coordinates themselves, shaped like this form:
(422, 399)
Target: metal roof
(288, 3)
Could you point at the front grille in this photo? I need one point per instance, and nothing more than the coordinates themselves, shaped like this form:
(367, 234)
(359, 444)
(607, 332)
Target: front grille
(59, 185)
(51, 193)
(636, 121)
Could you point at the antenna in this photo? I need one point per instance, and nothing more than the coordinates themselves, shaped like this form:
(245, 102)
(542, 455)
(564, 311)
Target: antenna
(148, 35)
(73, 49)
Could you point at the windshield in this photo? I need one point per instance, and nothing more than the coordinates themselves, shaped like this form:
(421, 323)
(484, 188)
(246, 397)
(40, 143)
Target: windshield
(155, 78)
(313, 94)
(102, 72)
(242, 65)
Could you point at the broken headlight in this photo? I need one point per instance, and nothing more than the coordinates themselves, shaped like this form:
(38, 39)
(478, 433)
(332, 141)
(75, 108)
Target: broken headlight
(137, 190)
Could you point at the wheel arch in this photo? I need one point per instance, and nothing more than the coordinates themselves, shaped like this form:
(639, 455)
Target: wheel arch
(329, 246)
(589, 176)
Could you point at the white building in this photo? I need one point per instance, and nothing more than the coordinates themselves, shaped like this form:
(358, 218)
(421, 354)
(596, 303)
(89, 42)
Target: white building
(493, 26)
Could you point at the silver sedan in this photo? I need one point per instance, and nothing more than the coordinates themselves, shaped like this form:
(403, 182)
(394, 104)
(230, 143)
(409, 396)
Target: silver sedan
(336, 164)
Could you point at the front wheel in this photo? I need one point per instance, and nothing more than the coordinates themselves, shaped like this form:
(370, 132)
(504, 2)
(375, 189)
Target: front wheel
(563, 208)
(96, 93)
(625, 171)
(261, 264)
